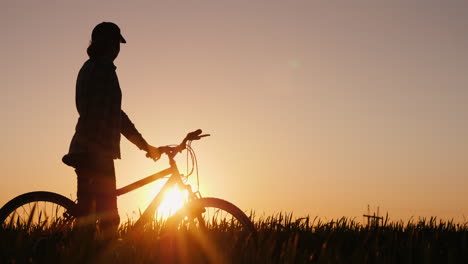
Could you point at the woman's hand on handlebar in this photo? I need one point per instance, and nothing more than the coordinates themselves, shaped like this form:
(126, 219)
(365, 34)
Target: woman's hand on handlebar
(153, 153)
(156, 152)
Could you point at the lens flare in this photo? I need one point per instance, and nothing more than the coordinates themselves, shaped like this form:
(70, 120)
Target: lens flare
(174, 199)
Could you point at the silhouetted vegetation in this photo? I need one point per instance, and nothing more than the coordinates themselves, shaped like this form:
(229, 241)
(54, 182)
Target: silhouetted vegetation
(279, 239)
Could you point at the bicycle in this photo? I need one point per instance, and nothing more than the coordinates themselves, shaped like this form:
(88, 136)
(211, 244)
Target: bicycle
(30, 209)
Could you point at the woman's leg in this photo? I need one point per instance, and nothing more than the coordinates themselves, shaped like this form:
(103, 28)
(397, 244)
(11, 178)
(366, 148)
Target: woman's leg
(86, 196)
(106, 199)
(96, 194)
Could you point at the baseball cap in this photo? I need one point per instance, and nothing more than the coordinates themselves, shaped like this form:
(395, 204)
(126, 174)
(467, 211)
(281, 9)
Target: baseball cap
(107, 31)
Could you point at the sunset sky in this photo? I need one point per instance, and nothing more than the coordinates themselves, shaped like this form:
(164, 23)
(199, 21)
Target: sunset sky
(314, 107)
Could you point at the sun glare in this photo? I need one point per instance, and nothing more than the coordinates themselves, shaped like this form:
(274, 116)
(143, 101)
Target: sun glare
(174, 199)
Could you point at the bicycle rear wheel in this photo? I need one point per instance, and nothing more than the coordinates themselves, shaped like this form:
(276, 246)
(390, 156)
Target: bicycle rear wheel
(38, 210)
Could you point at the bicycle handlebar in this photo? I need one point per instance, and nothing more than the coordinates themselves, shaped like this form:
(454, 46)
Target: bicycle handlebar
(172, 151)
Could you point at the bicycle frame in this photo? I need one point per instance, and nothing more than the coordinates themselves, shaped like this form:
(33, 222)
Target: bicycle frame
(174, 179)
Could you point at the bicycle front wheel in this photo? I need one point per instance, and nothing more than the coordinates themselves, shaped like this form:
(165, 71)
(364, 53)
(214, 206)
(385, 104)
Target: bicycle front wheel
(207, 230)
(38, 210)
(212, 214)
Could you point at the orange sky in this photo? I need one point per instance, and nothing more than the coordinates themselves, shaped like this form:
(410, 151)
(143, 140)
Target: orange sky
(314, 108)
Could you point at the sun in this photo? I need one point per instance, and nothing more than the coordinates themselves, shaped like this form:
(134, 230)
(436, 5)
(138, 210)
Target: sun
(173, 200)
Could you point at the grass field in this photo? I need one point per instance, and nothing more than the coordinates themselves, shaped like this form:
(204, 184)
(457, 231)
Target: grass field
(279, 239)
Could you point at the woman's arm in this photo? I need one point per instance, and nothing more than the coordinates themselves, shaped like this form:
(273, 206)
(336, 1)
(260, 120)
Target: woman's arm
(129, 130)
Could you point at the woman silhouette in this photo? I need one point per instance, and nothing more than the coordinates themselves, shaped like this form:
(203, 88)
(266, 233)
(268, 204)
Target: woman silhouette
(96, 142)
